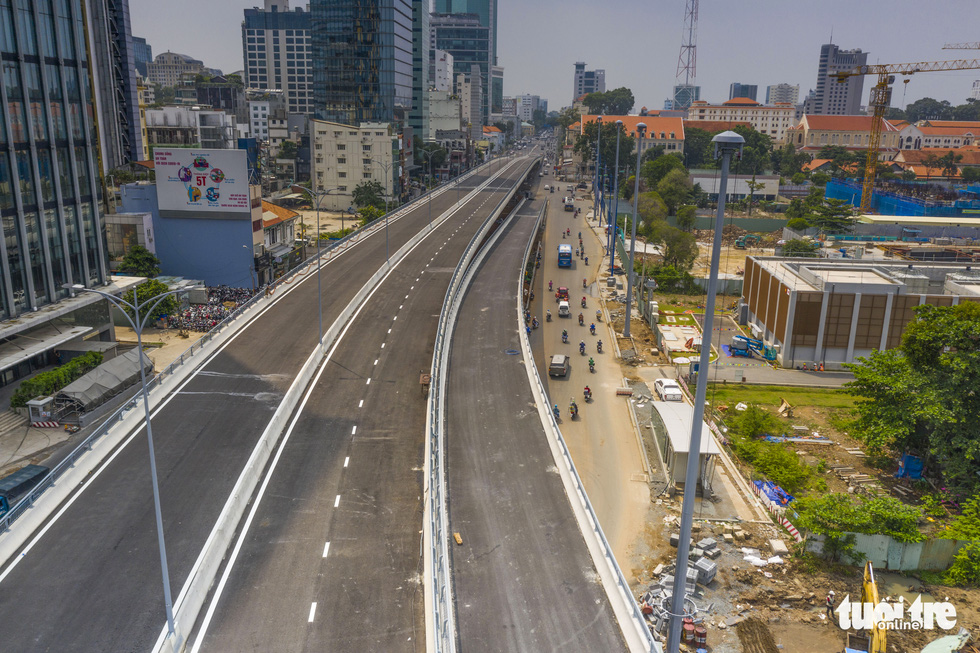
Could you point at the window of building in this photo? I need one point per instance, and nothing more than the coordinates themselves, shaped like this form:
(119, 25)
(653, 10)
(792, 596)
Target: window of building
(366, 148)
(342, 175)
(341, 161)
(341, 147)
(366, 162)
(367, 175)
(341, 188)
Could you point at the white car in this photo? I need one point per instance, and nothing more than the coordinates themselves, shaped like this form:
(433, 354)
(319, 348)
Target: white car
(668, 390)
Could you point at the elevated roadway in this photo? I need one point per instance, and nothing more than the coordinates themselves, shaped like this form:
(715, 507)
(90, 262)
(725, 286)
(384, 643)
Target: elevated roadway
(90, 579)
(524, 579)
(330, 558)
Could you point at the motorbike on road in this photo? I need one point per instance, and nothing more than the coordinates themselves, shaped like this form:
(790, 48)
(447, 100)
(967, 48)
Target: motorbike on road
(573, 409)
(581, 348)
(598, 347)
(588, 393)
(592, 328)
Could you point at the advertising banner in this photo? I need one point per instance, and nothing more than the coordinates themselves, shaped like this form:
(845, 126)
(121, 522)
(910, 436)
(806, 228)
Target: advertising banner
(202, 183)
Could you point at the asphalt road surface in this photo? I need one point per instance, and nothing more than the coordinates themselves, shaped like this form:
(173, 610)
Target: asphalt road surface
(524, 579)
(331, 561)
(92, 581)
(602, 440)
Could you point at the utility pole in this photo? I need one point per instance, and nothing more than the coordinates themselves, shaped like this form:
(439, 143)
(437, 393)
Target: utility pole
(640, 128)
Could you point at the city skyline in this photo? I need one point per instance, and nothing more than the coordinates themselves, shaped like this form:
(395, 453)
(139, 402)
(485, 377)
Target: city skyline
(785, 55)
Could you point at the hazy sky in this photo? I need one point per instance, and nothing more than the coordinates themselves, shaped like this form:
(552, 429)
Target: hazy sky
(637, 42)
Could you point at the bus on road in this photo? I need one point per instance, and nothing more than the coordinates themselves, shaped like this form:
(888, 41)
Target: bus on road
(564, 256)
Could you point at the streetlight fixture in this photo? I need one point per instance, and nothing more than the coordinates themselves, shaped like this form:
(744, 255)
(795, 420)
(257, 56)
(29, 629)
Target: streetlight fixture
(317, 196)
(386, 165)
(612, 222)
(726, 144)
(640, 128)
(138, 321)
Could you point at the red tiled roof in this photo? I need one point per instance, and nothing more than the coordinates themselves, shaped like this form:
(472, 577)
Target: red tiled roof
(744, 101)
(490, 129)
(972, 125)
(944, 130)
(655, 125)
(281, 214)
(971, 155)
(844, 123)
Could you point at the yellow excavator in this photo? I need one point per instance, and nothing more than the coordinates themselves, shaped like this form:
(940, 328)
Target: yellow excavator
(873, 641)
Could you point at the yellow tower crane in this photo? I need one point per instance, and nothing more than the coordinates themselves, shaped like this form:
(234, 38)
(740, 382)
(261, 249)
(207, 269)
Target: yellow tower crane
(962, 46)
(881, 94)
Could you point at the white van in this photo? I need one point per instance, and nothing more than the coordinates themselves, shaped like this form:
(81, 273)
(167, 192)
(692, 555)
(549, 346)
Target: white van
(563, 310)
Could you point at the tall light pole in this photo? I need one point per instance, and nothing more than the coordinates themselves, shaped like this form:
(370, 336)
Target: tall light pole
(386, 165)
(138, 321)
(317, 196)
(726, 144)
(612, 222)
(428, 155)
(598, 159)
(640, 128)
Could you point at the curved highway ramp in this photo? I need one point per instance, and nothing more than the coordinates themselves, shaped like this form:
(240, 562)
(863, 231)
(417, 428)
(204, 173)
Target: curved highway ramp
(523, 576)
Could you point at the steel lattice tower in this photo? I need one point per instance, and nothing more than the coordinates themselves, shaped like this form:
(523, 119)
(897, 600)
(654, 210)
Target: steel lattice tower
(687, 59)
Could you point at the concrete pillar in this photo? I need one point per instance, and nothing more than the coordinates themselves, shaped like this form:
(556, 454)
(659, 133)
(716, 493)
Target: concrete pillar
(853, 332)
(818, 351)
(889, 301)
(786, 346)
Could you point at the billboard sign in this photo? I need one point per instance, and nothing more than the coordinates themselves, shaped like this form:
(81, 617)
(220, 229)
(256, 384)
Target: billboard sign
(202, 183)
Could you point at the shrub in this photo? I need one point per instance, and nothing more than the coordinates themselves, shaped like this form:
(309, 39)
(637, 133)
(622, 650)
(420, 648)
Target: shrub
(47, 383)
(965, 569)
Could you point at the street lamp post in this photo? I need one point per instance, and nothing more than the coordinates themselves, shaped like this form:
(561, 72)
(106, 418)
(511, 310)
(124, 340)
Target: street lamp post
(428, 155)
(640, 128)
(598, 159)
(317, 196)
(612, 222)
(386, 165)
(726, 144)
(138, 323)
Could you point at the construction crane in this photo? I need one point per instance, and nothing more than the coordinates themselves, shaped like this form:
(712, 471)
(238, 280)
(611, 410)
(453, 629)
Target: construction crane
(881, 95)
(962, 46)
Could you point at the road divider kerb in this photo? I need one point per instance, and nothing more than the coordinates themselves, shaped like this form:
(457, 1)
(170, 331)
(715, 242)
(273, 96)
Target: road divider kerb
(440, 621)
(187, 607)
(635, 632)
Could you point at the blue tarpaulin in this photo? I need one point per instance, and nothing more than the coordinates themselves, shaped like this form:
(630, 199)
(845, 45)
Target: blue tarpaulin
(775, 493)
(909, 467)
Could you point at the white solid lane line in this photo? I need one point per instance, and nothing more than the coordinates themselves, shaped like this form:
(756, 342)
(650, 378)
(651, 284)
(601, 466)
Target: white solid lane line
(326, 549)
(353, 430)
(336, 502)
(375, 361)
(382, 345)
(389, 330)
(309, 619)
(368, 381)
(361, 404)
(346, 461)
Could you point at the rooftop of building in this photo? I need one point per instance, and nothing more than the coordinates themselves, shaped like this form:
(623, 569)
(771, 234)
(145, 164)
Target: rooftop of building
(655, 125)
(715, 125)
(843, 123)
(273, 214)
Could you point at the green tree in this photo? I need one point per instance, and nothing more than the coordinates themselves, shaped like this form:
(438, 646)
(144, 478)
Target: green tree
(796, 209)
(674, 189)
(369, 193)
(680, 249)
(652, 172)
(800, 247)
(370, 213)
(788, 161)
(928, 109)
(971, 175)
(651, 208)
(948, 161)
(931, 161)
(686, 217)
(756, 151)
(820, 178)
(617, 102)
(924, 396)
(538, 119)
(145, 294)
(652, 153)
(567, 117)
(437, 155)
(834, 217)
(140, 262)
(798, 178)
(908, 175)
(671, 280)
(753, 187)
(585, 145)
(287, 150)
(697, 142)
(754, 422)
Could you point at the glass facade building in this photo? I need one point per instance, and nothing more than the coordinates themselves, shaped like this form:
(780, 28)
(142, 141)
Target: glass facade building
(464, 37)
(278, 53)
(486, 10)
(52, 230)
(418, 118)
(362, 60)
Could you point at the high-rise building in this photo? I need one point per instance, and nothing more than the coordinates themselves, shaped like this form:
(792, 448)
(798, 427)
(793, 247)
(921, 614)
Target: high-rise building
(468, 40)
(168, 68)
(418, 117)
(49, 180)
(362, 60)
(496, 92)
(684, 95)
(975, 91)
(588, 81)
(442, 70)
(470, 93)
(783, 93)
(278, 53)
(114, 70)
(833, 97)
(142, 54)
(528, 104)
(485, 9)
(736, 89)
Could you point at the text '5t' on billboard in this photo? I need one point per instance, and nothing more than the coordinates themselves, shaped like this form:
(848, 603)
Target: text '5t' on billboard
(202, 183)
